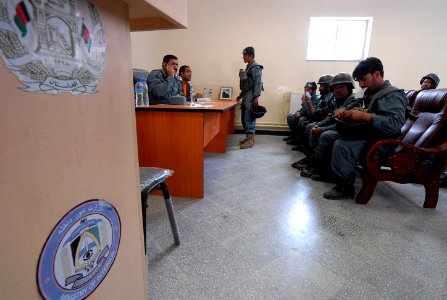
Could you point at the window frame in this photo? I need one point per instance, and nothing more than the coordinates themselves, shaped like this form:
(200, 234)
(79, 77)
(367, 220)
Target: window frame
(369, 22)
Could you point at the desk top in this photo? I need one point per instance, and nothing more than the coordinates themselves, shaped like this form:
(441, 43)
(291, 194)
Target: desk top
(217, 105)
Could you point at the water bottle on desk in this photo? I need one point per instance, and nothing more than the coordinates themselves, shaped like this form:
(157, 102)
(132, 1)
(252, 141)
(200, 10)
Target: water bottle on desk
(146, 93)
(192, 95)
(210, 94)
(140, 87)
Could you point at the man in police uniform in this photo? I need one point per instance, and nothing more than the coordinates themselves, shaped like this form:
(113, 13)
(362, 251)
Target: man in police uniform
(164, 83)
(251, 86)
(319, 167)
(384, 118)
(429, 81)
(319, 113)
(293, 120)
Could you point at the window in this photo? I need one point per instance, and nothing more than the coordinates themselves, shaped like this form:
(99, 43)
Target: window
(339, 38)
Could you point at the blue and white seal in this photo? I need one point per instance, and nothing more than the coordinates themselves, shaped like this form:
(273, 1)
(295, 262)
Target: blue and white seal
(79, 251)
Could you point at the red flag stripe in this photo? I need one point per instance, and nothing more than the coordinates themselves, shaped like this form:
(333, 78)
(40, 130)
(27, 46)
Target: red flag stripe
(22, 13)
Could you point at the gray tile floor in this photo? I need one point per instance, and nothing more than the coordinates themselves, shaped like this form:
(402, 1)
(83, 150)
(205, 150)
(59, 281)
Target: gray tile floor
(264, 232)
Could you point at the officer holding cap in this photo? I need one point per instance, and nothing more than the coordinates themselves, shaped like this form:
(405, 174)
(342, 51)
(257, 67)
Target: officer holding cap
(251, 87)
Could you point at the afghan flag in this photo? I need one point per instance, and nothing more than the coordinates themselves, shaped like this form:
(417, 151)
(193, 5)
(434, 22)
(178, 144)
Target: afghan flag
(85, 34)
(22, 18)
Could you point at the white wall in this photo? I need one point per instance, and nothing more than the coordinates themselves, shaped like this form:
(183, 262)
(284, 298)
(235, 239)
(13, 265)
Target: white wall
(147, 51)
(407, 35)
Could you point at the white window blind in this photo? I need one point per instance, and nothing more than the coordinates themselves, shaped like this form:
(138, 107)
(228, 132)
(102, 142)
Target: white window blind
(339, 38)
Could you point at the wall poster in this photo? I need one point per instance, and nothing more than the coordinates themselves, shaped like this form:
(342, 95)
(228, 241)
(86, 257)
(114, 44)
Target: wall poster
(53, 46)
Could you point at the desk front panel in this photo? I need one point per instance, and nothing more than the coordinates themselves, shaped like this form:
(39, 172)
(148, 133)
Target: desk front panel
(173, 140)
(175, 137)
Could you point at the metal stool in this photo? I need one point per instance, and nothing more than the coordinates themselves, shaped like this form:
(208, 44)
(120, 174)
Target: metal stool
(153, 179)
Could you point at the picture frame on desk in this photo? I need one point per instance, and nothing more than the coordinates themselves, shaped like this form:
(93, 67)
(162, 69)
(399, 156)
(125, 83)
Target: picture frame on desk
(226, 93)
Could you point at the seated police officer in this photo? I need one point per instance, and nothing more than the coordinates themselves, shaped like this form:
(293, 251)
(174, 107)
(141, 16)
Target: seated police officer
(429, 81)
(319, 166)
(320, 113)
(307, 112)
(309, 101)
(185, 74)
(164, 83)
(382, 110)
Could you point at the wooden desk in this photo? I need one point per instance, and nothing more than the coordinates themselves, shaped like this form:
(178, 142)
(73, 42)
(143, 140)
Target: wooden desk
(175, 137)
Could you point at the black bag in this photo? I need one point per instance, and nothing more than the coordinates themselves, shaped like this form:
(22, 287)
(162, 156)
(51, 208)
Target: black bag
(352, 131)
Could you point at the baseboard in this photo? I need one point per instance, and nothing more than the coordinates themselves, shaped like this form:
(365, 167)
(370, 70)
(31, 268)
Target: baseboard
(264, 132)
(266, 126)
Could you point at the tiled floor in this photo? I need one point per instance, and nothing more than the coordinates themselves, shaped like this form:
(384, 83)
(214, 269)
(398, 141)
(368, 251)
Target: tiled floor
(264, 232)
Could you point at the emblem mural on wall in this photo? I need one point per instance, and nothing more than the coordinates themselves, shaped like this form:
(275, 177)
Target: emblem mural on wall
(53, 46)
(80, 251)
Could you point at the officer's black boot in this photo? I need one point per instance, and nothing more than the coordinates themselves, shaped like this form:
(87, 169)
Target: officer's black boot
(343, 190)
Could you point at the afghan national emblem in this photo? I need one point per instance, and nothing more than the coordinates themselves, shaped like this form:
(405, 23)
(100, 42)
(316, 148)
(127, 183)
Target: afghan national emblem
(80, 251)
(53, 46)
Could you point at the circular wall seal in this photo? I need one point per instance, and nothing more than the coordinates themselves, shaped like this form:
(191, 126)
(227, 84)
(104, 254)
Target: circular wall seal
(53, 46)
(80, 251)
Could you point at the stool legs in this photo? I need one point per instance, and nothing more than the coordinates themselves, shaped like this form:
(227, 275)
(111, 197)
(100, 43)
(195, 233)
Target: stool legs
(169, 208)
(144, 195)
(168, 202)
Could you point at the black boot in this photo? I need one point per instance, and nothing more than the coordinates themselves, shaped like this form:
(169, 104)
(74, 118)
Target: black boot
(443, 180)
(312, 167)
(343, 190)
(309, 173)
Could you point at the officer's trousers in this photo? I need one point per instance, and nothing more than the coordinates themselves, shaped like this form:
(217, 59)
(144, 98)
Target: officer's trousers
(247, 121)
(323, 151)
(345, 155)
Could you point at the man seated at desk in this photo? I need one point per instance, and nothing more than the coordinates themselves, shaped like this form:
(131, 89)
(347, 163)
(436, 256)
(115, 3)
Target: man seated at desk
(164, 83)
(185, 73)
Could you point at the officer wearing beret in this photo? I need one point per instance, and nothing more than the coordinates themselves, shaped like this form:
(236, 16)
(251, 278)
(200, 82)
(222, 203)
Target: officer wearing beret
(251, 86)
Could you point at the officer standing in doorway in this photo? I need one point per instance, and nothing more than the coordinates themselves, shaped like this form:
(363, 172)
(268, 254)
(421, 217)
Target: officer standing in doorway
(251, 87)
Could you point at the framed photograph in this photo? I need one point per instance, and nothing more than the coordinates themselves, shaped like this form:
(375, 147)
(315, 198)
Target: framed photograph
(226, 93)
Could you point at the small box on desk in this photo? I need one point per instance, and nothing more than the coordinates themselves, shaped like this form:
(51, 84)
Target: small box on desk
(177, 100)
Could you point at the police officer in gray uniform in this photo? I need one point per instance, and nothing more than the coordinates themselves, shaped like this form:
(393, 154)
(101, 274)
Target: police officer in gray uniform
(251, 86)
(164, 83)
(429, 81)
(382, 110)
(323, 108)
(319, 167)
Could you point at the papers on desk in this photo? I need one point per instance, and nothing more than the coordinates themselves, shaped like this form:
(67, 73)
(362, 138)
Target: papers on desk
(198, 105)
